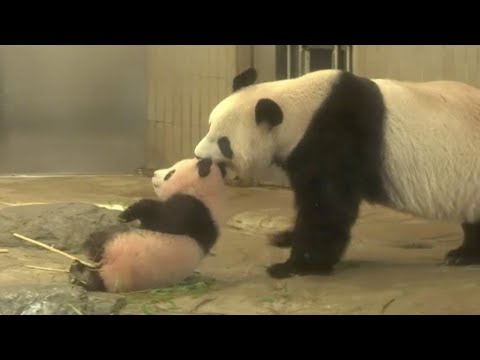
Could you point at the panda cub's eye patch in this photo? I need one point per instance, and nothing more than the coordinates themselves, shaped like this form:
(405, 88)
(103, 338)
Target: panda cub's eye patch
(169, 175)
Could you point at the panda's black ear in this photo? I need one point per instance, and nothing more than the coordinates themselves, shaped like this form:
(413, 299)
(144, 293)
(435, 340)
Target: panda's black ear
(246, 78)
(268, 112)
(204, 166)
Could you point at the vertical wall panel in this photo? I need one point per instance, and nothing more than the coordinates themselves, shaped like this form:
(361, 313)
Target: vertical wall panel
(419, 62)
(244, 57)
(185, 83)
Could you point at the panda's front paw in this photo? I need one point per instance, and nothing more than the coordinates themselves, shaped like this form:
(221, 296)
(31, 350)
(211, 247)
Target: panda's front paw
(463, 257)
(283, 239)
(289, 269)
(280, 270)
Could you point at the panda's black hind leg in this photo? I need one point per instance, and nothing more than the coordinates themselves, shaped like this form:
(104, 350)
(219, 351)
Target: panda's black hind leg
(469, 252)
(95, 244)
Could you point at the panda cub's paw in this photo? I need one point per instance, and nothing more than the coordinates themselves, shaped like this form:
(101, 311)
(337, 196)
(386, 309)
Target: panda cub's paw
(139, 210)
(282, 239)
(126, 216)
(130, 214)
(463, 257)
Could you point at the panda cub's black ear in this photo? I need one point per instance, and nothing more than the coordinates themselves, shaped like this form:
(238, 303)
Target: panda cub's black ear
(246, 78)
(204, 166)
(223, 169)
(268, 112)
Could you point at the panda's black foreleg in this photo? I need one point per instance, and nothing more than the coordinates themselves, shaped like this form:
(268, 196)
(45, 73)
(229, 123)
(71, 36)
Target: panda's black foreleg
(315, 250)
(321, 234)
(469, 252)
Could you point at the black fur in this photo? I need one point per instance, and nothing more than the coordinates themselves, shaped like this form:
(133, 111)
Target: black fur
(221, 166)
(181, 215)
(247, 78)
(223, 169)
(469, 252)
(225, 148)
(169, 175)
(204, 167)
(94, 246)
(335, 166)
(86, 277)
(268, 112)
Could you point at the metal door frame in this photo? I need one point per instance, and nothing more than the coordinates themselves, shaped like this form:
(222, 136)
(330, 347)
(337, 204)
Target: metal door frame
(302, 52)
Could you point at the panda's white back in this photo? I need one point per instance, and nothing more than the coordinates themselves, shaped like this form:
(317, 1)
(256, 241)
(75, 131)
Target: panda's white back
(432, 148)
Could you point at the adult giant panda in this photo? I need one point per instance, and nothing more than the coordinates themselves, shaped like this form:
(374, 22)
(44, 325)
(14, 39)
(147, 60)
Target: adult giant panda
(341, 138)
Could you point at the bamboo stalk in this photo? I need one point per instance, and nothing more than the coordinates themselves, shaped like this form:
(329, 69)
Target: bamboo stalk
(86, 263)
(47, 268)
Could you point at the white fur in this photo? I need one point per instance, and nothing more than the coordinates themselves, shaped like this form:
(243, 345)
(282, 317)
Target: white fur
(432, 150)
(432, 147)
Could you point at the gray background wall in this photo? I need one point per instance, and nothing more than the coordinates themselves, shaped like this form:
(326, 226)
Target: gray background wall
(72, 109)
(184, 84)
(419, 62)
(112, 109)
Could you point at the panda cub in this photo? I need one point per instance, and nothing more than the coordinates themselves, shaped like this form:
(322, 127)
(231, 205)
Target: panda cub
(176, 232)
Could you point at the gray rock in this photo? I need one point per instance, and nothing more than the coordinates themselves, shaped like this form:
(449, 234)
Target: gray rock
(105, 303)
(64, 225)
(57, 300)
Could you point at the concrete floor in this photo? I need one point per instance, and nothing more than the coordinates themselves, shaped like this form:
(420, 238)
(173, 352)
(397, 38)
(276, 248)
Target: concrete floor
(393, 266)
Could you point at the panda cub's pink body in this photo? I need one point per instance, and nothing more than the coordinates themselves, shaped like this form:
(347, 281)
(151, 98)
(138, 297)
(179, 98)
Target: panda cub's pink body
(146, 259)
(177, 231)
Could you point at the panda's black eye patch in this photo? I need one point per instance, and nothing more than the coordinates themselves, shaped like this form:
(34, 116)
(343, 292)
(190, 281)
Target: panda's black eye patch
(225, 148)
(169, 175)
